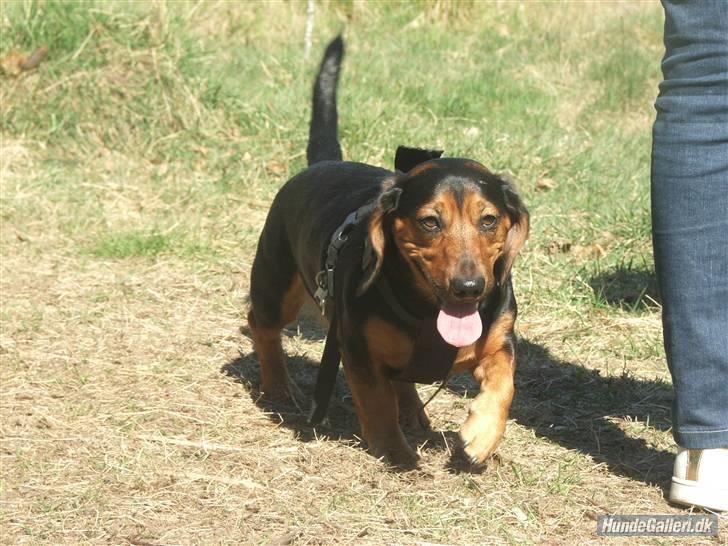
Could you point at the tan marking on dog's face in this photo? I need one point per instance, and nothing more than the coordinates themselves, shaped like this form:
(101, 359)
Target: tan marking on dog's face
(448, 237)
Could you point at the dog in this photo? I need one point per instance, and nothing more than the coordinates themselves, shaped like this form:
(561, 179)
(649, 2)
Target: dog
(437, 238)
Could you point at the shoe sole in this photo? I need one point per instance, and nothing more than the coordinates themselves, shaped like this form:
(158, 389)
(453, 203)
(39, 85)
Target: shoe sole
(691, 493)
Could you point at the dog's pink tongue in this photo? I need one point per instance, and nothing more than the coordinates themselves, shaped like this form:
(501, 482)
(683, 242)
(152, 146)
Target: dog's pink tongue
(459, 324)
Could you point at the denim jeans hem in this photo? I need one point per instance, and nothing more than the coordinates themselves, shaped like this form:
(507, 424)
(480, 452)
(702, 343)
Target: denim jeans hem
(701, 439)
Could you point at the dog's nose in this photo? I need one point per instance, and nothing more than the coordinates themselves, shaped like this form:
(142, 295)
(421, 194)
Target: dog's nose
(464, 288)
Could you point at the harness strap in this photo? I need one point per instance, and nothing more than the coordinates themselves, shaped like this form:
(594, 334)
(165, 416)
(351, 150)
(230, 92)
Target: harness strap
(325, 279)
(328, 293)
(326, 378)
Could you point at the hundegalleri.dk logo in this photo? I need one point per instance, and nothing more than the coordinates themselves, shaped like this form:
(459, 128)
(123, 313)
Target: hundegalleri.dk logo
(654, 525)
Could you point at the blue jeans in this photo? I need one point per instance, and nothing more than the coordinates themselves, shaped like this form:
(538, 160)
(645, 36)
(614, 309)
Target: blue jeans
(690, 216)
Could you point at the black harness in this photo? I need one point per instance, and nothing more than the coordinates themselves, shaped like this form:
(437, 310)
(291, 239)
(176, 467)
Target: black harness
(432, 358)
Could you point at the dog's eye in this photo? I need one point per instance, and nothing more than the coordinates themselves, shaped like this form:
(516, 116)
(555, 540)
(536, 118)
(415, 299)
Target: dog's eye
(488, 221)
(430, 223)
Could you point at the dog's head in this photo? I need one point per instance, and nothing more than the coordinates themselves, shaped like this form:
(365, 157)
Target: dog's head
(458, 226)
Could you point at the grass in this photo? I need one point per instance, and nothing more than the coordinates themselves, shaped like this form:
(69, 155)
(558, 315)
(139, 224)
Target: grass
(138, 163)
(125, 245)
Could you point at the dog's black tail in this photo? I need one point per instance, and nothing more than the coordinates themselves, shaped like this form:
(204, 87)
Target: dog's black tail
(323, 139)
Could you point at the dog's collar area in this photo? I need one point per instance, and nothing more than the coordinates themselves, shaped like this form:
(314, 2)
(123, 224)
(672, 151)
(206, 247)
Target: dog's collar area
(385, 290)
(325, 279)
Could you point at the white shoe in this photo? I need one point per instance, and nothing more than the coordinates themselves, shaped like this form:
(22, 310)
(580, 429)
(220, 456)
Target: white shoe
(700, 478)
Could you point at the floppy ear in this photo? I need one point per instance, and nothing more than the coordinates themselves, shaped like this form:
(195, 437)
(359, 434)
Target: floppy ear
(387, 202)
(517, 233)
(406, 158)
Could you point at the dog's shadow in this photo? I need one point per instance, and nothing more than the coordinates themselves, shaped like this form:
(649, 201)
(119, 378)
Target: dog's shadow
(563, 402)
(340, 423)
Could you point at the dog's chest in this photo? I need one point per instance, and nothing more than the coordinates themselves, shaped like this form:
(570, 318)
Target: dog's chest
(391, 346)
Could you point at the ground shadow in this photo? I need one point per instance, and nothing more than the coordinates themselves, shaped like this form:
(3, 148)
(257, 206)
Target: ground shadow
(627, 288)
(561, 401)
(340, 423)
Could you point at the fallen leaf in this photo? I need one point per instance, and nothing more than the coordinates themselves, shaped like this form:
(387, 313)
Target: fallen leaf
(559, 247)
(275, 167)
(15, 62)
(12, 63)
(545, 184)
(35, 59)
(598, 250)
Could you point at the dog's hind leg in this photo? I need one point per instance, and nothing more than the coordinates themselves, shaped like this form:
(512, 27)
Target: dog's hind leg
(276, 295)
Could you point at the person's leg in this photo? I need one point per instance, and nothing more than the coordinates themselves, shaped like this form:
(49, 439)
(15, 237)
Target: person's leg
(690, 236)
(690, 216)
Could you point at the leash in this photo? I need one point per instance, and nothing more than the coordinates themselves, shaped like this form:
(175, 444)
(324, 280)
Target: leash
(328, 292)
(442, 386)
(326, 378)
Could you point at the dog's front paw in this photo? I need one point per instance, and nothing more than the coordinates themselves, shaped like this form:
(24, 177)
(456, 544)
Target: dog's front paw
(480, 435)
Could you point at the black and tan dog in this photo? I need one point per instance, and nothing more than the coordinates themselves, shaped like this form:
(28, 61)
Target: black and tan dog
(440, 237)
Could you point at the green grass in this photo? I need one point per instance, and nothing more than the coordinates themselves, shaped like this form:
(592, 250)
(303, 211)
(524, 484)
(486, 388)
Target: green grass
(126, 245)
(130, 244)
(138, 163)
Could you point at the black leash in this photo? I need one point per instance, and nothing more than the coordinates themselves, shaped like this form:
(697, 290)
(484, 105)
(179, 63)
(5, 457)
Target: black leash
(328, 294)
(326, 378)
(439, 388)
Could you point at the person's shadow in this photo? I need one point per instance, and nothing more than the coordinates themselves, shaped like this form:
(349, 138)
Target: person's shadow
(579, 409)
(564, 402)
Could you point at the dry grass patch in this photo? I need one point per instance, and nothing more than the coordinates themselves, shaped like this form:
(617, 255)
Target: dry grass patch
(138, 162)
